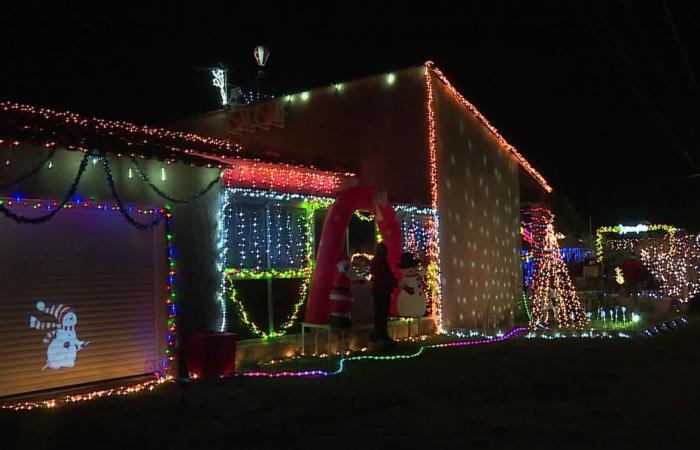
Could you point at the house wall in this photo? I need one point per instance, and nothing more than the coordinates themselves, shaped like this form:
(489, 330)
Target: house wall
(195, 223)
(479, 207)
(372, 127)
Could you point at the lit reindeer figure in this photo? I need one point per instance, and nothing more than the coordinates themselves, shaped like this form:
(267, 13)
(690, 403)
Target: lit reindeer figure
(61, 338)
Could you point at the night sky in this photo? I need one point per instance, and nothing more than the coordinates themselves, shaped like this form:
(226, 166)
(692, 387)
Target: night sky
(602, 97)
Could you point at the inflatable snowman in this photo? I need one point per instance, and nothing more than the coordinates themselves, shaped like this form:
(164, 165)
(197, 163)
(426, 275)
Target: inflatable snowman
(61, 339)
(411, 299)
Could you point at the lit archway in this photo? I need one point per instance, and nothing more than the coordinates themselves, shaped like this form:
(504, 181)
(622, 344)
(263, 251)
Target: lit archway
(331, 243)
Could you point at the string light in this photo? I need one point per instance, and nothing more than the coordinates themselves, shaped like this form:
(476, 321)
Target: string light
(550, 274)
(343, 361)
(304, 244)
(430, 66)
(245, 243)
(666, 326)
(258, 175)
(625, 229)
(78, 398)
(675, 264)
(434, 267)
(136, 139)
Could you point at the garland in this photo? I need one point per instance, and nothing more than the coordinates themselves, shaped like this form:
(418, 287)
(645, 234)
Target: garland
(32, 172)
(364, 216)
(162, 194)
(120, 204)
(254, 274)
(291, 319)
(41, 219)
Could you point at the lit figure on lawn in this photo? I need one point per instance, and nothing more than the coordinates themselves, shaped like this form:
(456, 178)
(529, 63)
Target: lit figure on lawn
(411, 299)
(61, 339)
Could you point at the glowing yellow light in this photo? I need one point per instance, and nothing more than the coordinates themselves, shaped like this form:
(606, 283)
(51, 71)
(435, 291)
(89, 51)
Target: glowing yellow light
(390, 78)
(338, 87)
(619, 277)
(305, 96)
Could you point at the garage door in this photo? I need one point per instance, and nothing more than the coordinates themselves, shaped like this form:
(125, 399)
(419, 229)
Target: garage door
(79, 300)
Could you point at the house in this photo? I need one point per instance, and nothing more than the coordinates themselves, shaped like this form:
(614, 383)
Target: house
(413, 135)
(117, 237)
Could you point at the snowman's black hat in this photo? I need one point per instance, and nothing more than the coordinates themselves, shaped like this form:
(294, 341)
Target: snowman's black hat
(407, 261)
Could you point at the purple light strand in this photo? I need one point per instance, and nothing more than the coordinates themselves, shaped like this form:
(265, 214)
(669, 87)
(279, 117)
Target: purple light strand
(341, 364)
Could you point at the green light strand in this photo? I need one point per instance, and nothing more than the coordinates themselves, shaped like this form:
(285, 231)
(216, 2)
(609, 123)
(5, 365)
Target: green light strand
(526, 304)
(305, 273)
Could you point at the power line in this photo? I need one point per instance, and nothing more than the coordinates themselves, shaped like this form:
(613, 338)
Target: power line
(679, 44)
(635, 82)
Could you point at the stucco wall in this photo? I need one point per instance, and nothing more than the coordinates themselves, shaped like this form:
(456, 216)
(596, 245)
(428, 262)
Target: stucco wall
(479, 206)
(371, 126)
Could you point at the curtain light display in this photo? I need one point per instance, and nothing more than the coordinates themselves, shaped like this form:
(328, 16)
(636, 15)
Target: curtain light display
(551, 285)
(290, 245)
(675, 264)
(270, 235)
(279, 227)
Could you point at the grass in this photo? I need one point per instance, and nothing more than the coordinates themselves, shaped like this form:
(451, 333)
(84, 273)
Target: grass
(562, 394)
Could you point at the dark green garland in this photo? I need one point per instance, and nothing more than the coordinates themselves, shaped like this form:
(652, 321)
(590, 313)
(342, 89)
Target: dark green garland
(162, 194)
(32, 172)
(41, 219)
(120, 204)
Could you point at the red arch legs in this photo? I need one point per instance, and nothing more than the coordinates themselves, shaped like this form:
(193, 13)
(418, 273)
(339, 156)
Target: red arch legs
(333, 234)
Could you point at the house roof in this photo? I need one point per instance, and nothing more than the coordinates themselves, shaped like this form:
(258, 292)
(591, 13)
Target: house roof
(280, 144)
(501, 140)
(25, 124)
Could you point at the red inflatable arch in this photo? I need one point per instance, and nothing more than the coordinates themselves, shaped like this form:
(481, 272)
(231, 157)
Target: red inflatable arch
(332, 237)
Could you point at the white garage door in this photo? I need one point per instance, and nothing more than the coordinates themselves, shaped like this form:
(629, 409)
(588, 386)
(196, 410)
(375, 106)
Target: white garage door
(80, 300)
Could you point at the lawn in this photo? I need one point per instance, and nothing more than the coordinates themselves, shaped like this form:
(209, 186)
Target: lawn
(562, 394)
